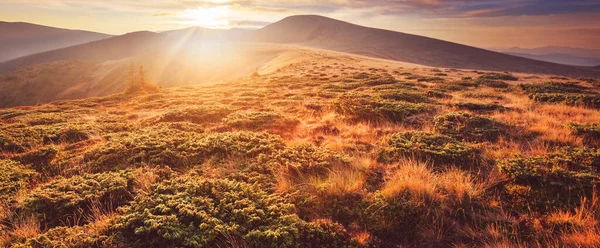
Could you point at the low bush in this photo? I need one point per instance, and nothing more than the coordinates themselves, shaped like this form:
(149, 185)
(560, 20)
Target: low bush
(494, 84)
(590, 132)
(480, 107)
(456, 86)
(498, 76)
(482, 95)
(429, 79)
(14, 177)
(307, 160)
(7, 144)
(381, 80)
(67, 135)
(440, 149)
(66, 200)
(437, 94)
(197, 212)
(40, 159)
(364, 107)
(469, 127)
(553, 87)
(77, 236)
(584, 100)
(260, 120)
(198, 114)
(406, 96)
(177, 148)
(232, 145)
(556, 180)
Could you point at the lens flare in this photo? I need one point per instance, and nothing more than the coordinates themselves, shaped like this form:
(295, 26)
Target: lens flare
(214, 17)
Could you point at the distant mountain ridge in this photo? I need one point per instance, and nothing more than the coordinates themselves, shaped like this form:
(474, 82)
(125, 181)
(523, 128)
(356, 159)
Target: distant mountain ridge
(572, 51)
(19, 39)
(557, 54)
(114, 48)
(558, 58)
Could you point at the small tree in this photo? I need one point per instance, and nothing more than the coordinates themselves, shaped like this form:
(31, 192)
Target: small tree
(137, 82)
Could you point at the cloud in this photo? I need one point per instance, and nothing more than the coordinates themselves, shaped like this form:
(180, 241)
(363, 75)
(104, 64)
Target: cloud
(482, 12)
(162, 14)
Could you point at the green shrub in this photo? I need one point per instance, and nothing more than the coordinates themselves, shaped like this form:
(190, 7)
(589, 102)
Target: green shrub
(437, 94)
(198, 114)
(67, 135)
(406, 96)
(395, 220)
(40, 159)
(367, 79)
(197, 212)
(498, 76)
(553, 87)
(13, 178)
(584, 100)
(177, 148)
(147, 146)
(260, 120)
(557, 180)
(364, 107)
(456, 86)
(482, 95)
(35, 119)
(440, 149)
(75, 237)
(7, 144)
(494, 84)
(468, 127)
(429, 79)
(306, 160)
(480, 107)
(590, 132)
(234, 145)
(63, 200)
(381, 80)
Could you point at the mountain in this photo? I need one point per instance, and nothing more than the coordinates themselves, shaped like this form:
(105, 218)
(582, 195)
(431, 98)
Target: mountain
(557, 54)
(325, 33)
(114, 48)
(19, 39)
(571, 51)
(561, 59)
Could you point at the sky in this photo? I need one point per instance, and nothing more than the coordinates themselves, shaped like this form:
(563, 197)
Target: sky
(481, 23)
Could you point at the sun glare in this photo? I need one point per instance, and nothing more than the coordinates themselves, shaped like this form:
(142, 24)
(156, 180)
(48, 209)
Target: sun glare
(214, 17)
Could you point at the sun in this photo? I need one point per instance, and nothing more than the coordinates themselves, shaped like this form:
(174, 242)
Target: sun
(214, 17)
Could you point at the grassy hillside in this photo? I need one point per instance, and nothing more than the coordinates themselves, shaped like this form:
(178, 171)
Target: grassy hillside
(328, 152)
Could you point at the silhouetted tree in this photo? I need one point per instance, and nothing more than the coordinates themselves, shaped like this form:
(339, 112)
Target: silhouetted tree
(137, 82)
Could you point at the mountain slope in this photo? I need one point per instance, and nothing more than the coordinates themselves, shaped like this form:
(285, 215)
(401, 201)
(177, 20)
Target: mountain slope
(326, 33)
(560, 58)
(114, 48)
(572, 51)
(19, 39)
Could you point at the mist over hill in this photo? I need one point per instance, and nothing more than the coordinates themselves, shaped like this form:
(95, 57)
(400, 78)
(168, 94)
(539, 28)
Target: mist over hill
(19, 39)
